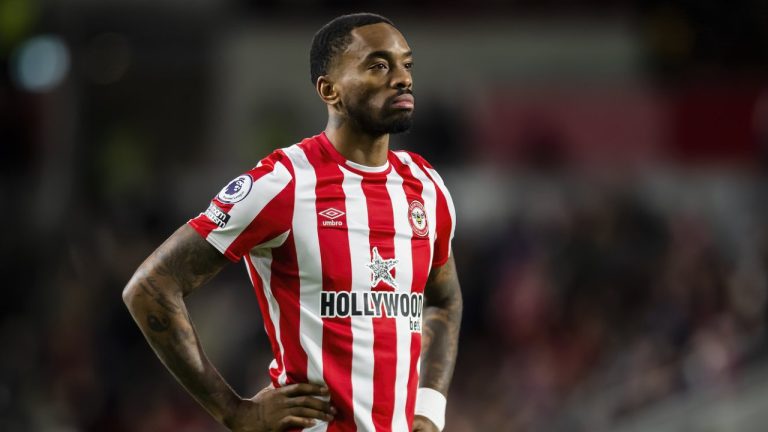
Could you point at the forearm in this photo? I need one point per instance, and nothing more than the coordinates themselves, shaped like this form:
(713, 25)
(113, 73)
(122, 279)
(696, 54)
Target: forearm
(440, 338)
(164, 321)
(438, 358)
(155, 298)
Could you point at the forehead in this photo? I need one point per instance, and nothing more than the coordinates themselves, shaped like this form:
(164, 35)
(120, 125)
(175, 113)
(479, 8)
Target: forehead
(376, 37)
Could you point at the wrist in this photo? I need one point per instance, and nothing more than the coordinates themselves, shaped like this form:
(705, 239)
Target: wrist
(230, 409)
(431, 403)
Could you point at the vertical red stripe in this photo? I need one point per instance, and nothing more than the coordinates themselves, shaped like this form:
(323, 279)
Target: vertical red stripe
(269, 326)
(420, 249)
(337, 276)
(443, 229)
(264, 226)
(382, 230)
(286, 288)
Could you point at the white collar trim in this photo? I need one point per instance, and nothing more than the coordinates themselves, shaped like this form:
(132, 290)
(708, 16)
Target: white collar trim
(367, 168)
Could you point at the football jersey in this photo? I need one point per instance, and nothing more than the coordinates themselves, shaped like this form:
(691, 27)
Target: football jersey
(338, 254)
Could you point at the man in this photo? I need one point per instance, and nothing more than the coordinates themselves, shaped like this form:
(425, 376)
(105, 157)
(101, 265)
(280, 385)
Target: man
(345, 242)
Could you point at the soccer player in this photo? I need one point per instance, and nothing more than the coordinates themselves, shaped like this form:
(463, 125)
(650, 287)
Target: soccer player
(346, 244)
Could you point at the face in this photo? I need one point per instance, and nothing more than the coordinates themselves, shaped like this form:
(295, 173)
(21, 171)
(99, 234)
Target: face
(373, 78)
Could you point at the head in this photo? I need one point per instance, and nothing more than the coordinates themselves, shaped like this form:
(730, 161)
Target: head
(361, 67)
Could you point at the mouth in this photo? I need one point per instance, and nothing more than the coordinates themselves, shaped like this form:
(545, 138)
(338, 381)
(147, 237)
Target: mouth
(404, 101)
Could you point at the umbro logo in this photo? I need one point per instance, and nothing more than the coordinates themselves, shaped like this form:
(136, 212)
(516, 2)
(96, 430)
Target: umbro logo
(331, 214)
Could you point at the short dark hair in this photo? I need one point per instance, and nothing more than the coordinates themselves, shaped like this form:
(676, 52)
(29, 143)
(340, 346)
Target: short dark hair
(334, 37)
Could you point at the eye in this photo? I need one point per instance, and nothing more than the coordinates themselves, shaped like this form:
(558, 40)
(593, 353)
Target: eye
(408, 65)
(379, 66)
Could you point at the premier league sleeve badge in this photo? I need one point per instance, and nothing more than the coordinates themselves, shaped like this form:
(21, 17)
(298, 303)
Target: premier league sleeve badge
(236, 190)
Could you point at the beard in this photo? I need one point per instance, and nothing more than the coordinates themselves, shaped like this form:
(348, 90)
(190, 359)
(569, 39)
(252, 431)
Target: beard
(376, 123)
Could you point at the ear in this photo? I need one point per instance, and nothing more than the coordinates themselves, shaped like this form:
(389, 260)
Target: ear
(327, 90)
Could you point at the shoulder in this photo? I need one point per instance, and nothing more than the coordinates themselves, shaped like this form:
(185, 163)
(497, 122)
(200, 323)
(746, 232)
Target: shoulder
(414, 160)
(269, 176)
(285, 162)
(275, 165)
(410, 158)
(297, 156)
(276, 158)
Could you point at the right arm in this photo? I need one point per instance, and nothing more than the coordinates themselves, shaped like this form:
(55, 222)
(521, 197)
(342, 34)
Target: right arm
(155, 297)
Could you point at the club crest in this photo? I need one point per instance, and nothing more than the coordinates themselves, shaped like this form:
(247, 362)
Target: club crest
(236, 190)
(417, 216)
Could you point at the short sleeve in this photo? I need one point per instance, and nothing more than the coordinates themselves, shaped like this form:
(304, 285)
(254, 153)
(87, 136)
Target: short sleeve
(253, 210)
(446, 220)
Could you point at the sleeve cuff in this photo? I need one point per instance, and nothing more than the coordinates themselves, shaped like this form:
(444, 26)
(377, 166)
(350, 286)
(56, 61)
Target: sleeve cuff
(201, 231)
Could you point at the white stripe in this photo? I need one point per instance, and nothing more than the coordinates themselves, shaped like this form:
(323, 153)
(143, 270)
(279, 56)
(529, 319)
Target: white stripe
(404, 277)
(264, 190)
(261, 259)
(310, 267)
(361, 326)
(451, 209)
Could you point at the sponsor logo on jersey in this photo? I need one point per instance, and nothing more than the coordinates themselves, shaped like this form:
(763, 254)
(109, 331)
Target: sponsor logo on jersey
(417, 216)
(381, 269)
(375, 304)
(236, 190)
(217, 215)
(330, 215)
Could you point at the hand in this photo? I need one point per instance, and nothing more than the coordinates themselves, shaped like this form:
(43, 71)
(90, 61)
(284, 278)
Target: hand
(423, 424)
(274, 409)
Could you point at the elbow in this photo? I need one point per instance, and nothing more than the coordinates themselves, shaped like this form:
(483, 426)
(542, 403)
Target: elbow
(129, 295)
(458, 306)
(454, 305)
(132, 291)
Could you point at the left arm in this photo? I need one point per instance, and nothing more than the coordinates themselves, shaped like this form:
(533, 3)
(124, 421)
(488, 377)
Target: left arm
(440, 335)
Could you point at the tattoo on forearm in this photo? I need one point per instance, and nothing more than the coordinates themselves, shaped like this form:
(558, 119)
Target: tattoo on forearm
(442, 320)
(188, 263)
(180, 265)
(150, 288)
(158, 323)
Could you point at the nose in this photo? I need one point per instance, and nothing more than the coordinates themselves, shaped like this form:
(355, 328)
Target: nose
(401, 78)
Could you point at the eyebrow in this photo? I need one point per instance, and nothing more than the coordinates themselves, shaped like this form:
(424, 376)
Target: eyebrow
(386, 54)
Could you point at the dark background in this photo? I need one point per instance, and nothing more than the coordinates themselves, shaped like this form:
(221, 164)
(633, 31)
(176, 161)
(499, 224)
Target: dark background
(607, 159)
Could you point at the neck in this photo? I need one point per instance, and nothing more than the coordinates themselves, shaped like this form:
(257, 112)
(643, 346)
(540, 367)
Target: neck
(356, 145)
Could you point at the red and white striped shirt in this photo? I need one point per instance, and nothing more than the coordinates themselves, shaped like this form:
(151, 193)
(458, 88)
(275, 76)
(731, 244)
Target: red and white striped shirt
(338, 254)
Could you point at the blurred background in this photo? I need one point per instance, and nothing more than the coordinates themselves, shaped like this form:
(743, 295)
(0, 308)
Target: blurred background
(608, 161)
